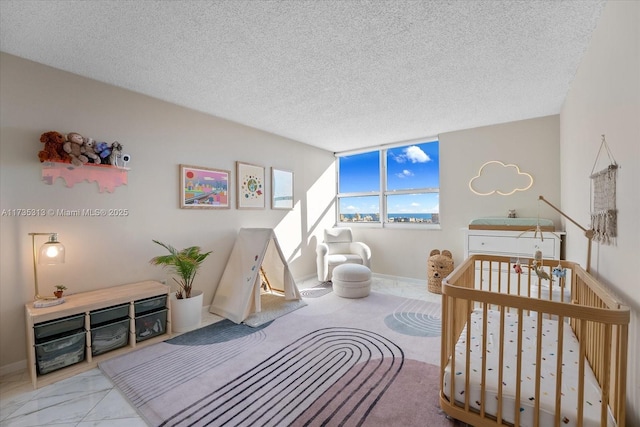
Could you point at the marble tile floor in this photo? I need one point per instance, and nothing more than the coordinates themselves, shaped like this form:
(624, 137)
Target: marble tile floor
(89, 399)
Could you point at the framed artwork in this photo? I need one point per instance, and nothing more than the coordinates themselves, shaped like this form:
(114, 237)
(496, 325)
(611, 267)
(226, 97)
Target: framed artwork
(250, 186)
(281, 189)
(204, 188)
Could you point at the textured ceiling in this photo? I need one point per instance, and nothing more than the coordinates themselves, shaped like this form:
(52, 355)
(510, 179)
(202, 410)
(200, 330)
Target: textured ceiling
(340, 75)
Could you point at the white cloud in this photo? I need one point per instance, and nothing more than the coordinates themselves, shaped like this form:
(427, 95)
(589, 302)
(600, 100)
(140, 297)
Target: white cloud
(416, 155)
(405, 173)
(413, 154)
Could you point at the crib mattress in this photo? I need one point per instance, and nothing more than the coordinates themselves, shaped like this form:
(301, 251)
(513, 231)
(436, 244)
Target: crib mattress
(591, 415)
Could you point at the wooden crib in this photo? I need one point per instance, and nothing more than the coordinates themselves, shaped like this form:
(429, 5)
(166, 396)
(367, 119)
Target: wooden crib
(525, 351)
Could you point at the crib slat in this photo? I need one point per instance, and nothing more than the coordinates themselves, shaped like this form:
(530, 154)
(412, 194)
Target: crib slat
(559, 354)
(518, 369)
(452, 349)
(446, 328)
(467, 391)
(509, 283)
(536, 404)
(483, 383)
(501, 365)
(499, 276)
(606, 375)
(621, 377)
(581, 359)
(519, 280)
(529, 285)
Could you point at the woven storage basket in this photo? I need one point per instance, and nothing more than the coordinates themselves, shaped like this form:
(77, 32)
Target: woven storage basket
(439, 266)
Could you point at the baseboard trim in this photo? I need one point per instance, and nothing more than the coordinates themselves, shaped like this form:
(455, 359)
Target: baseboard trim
(400, 278)
(13, 368)
(373, 274)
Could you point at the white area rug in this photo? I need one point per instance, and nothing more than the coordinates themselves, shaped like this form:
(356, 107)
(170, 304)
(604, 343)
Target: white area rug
(337, 361)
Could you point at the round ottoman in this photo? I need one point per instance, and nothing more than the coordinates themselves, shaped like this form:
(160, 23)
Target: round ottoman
(351, 280)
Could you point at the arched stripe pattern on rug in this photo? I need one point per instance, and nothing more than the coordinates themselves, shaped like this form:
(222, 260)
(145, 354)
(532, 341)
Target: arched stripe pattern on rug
(416, 318)
(317, 291)
(152, 378)
(278, 390)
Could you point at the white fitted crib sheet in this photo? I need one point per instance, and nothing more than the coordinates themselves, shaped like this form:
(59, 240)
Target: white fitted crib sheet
(569, 389)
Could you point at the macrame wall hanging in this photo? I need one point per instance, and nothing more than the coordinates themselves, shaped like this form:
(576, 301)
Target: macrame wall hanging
(604, 215)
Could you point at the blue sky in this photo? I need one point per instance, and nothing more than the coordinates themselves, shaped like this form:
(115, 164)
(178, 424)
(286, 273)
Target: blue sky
(414, 166)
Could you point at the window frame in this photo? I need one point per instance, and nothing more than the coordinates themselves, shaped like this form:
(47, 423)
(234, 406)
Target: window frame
(383, 193)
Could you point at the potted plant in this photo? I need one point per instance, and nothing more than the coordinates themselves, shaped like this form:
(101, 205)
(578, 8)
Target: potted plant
(59, 290)
(186, 304)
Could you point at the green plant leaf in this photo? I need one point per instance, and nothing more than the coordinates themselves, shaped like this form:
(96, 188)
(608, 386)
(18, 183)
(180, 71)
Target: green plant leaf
(183, 263)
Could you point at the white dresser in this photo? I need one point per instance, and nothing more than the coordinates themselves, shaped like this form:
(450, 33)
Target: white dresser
(513, 243)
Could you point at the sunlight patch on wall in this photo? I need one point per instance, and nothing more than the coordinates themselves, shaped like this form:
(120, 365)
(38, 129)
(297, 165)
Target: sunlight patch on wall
(321, 208)
(289, 232)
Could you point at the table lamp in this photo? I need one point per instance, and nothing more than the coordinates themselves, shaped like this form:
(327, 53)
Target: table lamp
(52, 252)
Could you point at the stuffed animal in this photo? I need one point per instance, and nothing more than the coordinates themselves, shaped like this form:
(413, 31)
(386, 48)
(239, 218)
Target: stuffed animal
(53, 150)
(116, 153)
(74, 146)
(90, 150)
(103, 150)
(559, 271)
(439, 266)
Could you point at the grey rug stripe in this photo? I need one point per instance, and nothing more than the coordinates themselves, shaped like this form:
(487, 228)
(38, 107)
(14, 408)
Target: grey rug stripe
(149, 379)
(416, 318)
(298, 375)
(317, 291)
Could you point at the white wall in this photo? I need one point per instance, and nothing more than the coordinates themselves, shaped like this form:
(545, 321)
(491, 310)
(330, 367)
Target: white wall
(605, 99)
(530, 144)
(103, 252)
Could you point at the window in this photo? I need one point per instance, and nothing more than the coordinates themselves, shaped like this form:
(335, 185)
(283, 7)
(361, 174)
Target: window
(392, 185)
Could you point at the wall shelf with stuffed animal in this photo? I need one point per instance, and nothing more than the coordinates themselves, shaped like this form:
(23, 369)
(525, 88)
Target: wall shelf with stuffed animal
(76, 158)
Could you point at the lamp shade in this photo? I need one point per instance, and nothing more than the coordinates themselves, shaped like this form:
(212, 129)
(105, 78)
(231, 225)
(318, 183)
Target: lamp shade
(52, 252)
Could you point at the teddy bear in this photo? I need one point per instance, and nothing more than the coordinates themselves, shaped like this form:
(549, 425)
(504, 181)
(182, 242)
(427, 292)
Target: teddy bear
(74, 146)
(53, 150)
(439, 266)
(90, 150)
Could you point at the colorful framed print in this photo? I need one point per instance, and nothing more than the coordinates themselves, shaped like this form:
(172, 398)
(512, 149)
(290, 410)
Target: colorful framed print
(281, 189)
(204, 188)
(250, 186)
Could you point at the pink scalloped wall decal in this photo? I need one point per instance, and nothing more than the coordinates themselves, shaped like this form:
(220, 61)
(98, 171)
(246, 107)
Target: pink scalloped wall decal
(107, 177)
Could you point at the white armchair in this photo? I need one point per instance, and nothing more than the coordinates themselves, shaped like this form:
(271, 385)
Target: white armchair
(339, 248)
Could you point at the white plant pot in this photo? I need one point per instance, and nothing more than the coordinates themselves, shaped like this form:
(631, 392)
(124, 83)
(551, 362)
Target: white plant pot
(186, 314)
